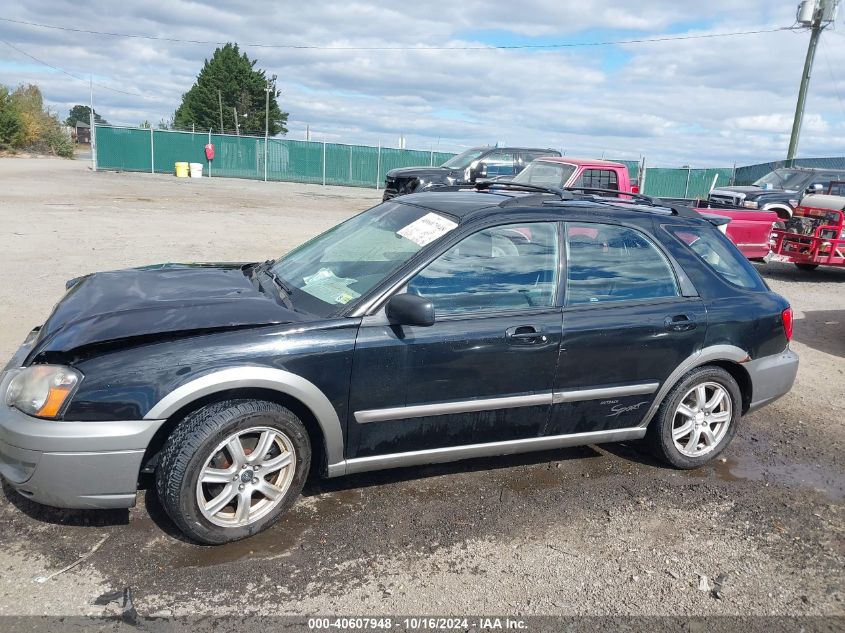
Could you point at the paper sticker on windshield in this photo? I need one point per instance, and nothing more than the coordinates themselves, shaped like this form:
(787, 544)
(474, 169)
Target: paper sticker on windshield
(328, 287)
(427, 229)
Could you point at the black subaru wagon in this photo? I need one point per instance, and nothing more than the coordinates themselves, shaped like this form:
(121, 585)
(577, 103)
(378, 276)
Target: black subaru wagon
(431, 328)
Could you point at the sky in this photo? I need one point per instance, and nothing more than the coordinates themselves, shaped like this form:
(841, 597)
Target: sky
(699, 102)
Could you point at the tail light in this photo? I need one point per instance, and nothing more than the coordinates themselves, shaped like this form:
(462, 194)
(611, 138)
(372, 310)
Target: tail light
(635, 188)
(786, 317)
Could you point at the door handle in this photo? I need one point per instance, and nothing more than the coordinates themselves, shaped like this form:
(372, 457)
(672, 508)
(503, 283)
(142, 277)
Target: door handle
(679, 323)
(526, 334)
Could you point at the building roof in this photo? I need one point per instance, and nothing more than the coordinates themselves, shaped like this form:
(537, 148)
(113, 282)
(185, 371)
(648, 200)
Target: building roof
(82, 124)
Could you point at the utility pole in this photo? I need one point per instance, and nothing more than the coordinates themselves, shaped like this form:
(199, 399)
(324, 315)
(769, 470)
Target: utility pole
(93, 124)
(271, 86)
(220, 103)
(237, 126)
(817, 15)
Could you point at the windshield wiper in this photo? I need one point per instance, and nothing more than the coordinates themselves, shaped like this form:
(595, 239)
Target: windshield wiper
(286, 290)
(265, 264)
(281, 283)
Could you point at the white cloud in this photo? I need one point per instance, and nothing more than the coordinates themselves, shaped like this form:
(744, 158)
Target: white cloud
(700, 102)
(777, 123)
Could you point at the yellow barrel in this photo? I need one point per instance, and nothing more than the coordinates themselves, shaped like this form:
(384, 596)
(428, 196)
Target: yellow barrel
(181, 170)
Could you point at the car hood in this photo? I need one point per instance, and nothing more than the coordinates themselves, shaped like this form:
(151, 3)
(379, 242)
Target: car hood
(417, 172)
(158, 300)
(741, 189)
(752, 191)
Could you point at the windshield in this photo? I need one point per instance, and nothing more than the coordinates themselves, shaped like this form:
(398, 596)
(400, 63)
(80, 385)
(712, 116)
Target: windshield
(545, 174)
(462, 160)
(783, 179)
(345, 262)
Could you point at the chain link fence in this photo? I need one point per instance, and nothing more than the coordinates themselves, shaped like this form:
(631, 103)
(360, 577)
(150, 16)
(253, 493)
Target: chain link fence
(157, 151)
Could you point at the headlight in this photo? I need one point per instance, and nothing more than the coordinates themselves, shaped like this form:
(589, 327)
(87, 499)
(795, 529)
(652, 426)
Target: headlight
(750, 204)
(42, 390)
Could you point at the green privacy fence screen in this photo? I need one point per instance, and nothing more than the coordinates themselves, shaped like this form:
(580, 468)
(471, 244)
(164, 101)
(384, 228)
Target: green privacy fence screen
(157, 151)
(684, 183)
(136, 149)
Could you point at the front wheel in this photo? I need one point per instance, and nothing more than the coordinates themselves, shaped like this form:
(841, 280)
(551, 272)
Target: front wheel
(697, 419)
(230, 469)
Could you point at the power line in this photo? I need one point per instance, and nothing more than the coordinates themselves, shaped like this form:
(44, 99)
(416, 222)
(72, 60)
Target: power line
(69, 74)
(833, 77)
(61, 70)
(666, 38)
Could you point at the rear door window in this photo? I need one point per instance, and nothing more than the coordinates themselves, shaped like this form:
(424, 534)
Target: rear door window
(607, 263)
(527, 157)
(499, 163)
(720, 255)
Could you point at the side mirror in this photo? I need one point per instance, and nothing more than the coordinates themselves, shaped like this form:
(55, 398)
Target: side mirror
(408, 309)
(480, 171)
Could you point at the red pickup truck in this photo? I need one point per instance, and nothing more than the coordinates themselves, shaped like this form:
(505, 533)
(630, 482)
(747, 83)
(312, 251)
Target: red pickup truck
(750, 230)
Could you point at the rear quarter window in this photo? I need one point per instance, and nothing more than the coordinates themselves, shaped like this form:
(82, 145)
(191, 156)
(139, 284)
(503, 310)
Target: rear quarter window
(720, 255)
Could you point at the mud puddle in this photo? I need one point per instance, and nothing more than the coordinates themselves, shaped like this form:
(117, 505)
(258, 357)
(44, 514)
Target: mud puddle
(284, 537)
(813, 476)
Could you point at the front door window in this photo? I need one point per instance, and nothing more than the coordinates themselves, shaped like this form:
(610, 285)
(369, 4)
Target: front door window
(511, 267)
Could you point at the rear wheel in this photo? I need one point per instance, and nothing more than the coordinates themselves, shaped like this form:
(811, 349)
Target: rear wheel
(697, 419)
(231, 469)
(806, 267)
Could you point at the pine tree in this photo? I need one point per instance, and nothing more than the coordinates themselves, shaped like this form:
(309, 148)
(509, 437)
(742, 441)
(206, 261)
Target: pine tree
(240, 86)
(83, 113)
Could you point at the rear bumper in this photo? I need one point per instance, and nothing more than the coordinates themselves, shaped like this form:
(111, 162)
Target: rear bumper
(72, 464)
(771, 377)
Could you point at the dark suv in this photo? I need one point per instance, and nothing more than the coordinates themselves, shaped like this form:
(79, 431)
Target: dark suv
(431, 328)
(466, 167)
(780, 190)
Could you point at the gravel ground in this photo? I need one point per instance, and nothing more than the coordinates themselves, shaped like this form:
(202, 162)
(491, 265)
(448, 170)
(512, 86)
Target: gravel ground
(601, 530)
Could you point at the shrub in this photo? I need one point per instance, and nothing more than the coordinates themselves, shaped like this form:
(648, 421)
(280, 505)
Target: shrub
(25, 123)
(10, 122)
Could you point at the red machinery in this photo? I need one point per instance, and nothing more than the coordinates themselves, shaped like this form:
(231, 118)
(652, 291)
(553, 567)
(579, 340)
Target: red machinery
(814, 236)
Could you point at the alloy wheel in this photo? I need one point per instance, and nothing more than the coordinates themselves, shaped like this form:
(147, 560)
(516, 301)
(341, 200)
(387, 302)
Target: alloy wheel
(246, 476)
(702, 419)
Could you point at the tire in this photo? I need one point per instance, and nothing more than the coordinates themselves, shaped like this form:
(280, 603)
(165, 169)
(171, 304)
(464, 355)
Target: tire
(206, 441)
(689, 450)
(807, 267)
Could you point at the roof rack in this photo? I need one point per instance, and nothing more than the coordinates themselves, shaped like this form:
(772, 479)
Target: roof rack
(652, 202)
(513, 186)
(563, 194)
(676, 209)
(570, 193)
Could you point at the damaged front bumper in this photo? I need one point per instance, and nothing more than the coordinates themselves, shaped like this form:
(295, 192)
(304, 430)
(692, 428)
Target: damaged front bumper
(70, 464)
